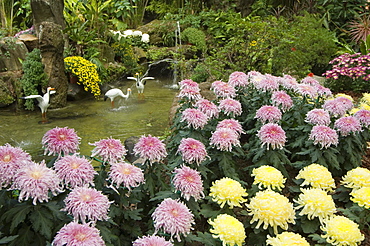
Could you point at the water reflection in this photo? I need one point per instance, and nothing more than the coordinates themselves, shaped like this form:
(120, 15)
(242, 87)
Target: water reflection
(93, 120)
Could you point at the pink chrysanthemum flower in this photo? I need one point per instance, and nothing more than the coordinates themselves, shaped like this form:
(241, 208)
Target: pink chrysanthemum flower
(191, 93)
(282, 99)
(238, 79)
(346, 100)
(207, 107)
(323, 135)
(189, 182)
(231, 124)
(150, 148)
(192, 151)
(223, 90)
(347, 125)
(87, 204)
(11, 159)
(270, 114)
(110, 150)
(323, 91)
(310, 81)
(335, 108)
(187, 83)
(266, 83)
(151, 241)
(363, 116)
(75, 171)
(123, 173)
(58, 141)
(318, 117)
(224, 139)
(230, 107)
(288, 82)
(74, 234)
(307, 90)
(194, 117)
(272, 135)
(35, 181)
(173, 217)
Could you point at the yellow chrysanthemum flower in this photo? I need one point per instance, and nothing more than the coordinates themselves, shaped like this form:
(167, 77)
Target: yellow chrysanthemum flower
(365, 98)
(364, 106)
(342, 231)
(228, 229)
(268, 177)
(361, 197)
(316, 203)
(227, 190)
(287, 239)
(317, 176)
(353, 111)
(344, 95)
(271, 209)
(357, 178)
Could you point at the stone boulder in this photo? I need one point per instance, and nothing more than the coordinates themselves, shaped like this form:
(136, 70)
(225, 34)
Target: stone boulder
(129, 145)
(12, 52)
(10, 87)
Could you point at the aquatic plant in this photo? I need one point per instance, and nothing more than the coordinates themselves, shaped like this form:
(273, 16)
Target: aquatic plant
(233, 178)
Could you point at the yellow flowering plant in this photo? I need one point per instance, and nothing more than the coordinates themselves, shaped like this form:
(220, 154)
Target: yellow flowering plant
(227, 190)
(228, 229)
(86, 72)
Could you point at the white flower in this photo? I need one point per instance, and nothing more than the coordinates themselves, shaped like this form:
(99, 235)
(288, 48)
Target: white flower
(127, 33)
(145, 38)
(137, 33)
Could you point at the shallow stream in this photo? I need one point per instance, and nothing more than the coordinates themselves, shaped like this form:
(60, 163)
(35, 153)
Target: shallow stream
(93, 119)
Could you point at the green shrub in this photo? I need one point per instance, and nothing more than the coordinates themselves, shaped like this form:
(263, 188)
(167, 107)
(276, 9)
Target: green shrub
(196, 37)
(200, 73)
(33, 77)
(306, 47)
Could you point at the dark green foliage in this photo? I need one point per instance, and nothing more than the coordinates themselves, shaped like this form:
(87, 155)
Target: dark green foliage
(34, 78)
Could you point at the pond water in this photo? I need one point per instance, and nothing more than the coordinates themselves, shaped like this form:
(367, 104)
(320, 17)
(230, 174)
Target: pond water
(93, 119)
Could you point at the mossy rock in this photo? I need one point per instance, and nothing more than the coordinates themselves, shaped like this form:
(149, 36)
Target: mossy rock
(8, 93)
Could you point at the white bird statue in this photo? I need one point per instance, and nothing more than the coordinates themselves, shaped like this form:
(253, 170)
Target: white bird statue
(140, 83)
(113, 93)
(43, 102)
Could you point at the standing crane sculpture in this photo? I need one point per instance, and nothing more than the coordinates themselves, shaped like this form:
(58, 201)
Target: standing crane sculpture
(44, 102)
(113, 93)
(140, 83)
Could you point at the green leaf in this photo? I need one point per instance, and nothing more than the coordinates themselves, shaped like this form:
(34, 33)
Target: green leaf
(133, 214)
(17, 215)
(42, 222)
(5, 240)
(161, 195)
(208, 212)
(309, 226)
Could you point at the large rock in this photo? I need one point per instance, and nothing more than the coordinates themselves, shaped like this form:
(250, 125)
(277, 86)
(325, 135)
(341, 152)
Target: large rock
(12, 52)
(10, 88)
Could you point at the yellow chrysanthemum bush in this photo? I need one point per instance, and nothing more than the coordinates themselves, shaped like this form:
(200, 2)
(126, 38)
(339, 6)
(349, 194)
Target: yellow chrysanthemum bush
(86, 72)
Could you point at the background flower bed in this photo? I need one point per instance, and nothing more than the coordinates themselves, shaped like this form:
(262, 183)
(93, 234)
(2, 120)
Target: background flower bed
(232, 150)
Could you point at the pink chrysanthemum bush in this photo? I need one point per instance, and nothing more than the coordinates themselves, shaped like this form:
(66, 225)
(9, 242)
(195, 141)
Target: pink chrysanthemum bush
(257, 159)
